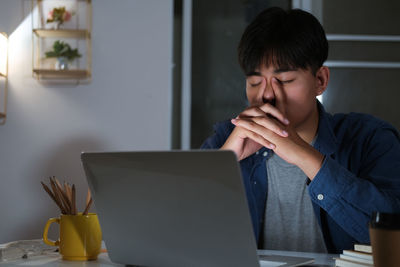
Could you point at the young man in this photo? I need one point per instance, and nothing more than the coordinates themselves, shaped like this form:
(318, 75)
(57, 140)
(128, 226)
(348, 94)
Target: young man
(312, 179)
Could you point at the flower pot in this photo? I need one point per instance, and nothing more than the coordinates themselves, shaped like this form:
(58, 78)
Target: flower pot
(62, 63)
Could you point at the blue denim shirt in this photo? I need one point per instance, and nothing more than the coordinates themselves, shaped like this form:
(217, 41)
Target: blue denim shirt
(360, 174)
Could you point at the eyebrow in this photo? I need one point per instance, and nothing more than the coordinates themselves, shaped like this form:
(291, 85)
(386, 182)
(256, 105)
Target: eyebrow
(284, 70)
(276, 71)
(253, 73)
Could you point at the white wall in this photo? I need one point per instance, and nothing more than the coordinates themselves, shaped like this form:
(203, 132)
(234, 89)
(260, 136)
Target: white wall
(125, 107)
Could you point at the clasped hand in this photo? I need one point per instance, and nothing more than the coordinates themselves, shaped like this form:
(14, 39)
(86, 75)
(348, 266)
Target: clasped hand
(267, 125)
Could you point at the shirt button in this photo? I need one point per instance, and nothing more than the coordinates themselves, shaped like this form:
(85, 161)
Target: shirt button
(265, 154)
(257, 153)
(255, 182)
(320, 196)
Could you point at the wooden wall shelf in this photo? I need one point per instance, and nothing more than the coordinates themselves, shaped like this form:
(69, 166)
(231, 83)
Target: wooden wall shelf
(62, 33)
(75, 32)
(61, 74)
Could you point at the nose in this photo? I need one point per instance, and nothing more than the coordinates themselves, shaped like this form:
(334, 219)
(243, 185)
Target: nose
(268, 95)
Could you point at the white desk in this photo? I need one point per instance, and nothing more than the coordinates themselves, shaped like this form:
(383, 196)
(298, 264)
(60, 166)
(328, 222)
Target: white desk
(54, 260)
(320, 259)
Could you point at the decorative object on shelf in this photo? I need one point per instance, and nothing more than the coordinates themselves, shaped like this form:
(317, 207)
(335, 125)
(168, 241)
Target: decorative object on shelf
(3, 74)
(59, 15)
(62, 63)
(64, 53)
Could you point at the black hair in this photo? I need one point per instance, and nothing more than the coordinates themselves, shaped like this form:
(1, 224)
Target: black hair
(284, 39)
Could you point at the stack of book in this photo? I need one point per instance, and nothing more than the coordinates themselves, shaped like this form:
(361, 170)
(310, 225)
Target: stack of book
(361, 256)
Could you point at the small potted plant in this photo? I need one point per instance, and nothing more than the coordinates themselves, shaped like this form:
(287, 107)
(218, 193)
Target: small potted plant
(59, 15)
(64, 54)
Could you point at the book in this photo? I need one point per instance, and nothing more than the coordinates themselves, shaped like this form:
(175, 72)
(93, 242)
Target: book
(360, 260)
(361, 256)
(363, 248)
(349, 263)
(357, 254)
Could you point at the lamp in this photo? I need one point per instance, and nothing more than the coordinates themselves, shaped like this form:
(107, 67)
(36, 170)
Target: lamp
(3, 73)
(3, 54)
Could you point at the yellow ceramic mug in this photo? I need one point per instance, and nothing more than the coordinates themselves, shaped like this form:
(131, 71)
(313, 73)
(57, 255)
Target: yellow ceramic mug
(80, 236)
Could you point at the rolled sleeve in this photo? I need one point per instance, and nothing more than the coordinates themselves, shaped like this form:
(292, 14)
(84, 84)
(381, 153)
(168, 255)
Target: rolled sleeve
(349, 199)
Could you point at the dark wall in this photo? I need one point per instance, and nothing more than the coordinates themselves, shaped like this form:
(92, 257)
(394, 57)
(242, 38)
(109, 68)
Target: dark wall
(369, 90)
(218, 84)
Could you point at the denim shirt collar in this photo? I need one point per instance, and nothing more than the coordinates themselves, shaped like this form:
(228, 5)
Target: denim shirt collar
(326, 142)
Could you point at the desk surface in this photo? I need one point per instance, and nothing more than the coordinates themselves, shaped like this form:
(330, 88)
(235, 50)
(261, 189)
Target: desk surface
(320, 259)
(54, 260)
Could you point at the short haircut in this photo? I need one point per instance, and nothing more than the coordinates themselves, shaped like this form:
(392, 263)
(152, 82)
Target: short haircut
(284, 39)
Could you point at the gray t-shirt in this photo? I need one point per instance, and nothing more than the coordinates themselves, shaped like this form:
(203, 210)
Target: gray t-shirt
(290, 222)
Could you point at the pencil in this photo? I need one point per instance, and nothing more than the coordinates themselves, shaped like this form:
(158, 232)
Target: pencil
(63, 195)
(47, 189)
(73, 204)
(88, 197)
(57, 196)
(88, 206)
(67, 191)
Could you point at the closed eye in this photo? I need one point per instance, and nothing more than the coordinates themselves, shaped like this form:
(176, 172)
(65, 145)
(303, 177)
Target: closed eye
(285, 82)
(255, 84)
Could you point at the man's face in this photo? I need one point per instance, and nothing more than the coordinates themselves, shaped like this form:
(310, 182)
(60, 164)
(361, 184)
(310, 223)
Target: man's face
(300, 87)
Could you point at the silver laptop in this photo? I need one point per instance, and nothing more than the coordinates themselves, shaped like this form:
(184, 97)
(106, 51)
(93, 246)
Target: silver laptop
(175, 208)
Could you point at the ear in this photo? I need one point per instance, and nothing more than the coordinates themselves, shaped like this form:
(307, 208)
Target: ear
(322, 79)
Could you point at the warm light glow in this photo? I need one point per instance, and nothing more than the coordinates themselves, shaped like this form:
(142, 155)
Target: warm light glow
(3, 54)
(320, 98)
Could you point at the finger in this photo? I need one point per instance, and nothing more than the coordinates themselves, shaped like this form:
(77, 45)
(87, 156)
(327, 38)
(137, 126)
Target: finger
(262, 111)
(280, 96)
(262, 126)
(272, 125)
(246, 133)
(254, 111)
(274, 112)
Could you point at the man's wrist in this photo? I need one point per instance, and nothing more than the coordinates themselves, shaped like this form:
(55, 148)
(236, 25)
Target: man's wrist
(310, 161)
